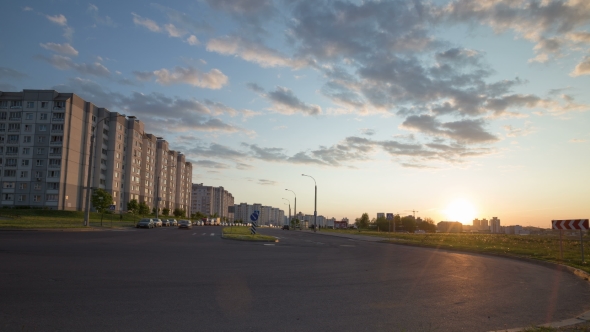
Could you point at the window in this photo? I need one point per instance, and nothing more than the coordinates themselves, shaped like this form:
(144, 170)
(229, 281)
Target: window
(30, 104)
(16, 104)
(51, 197)
(2, 126)
(40, 150)
(26, 150)
(44, 104)
(27, 139)
(9, 173)
(53, 174)
(94, 118)
(116, 174)
(11, 162)
(54, 162)
(1, 139)
(39, 162)
(59, 105)
(28, 127)
(42, 116)
(38, 174)
(23, 185)
(42, 127)
(36, 198)
(54, 151)
(41, 139)
(37, 186)
(57, 127)
(8, 197)
(12, 139)
(53, 185)
(3, 104)
(14, 116)
(24, 162)
(58, 116)
(57, 139)
(24, 174)
(8, 185)
(22, 198)
(104, 151)
(29, 116)
(10, 150)
(102, 182)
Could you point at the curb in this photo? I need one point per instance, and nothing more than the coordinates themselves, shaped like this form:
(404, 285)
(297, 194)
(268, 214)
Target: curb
(246, 240)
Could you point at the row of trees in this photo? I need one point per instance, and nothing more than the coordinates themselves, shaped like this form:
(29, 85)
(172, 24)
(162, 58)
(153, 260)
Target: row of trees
(399, 223)
(102, 200)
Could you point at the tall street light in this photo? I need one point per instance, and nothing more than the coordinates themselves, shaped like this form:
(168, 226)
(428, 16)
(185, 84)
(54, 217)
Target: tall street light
(295, 214)
(90, 169)
(289, 223)
(315, 204)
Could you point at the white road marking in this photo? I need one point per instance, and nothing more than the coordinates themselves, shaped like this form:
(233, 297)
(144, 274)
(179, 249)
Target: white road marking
(269, 244)
(194, 233)
(347, 245)
(212, 234)
(204, 233)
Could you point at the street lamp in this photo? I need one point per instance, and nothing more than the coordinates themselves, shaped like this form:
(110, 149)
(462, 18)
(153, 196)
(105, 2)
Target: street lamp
(90, 169)
(289, 223)
(295, 214)
(315, 204)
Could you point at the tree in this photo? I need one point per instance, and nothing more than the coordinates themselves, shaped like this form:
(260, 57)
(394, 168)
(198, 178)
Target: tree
(165, 211)
(143, 209)
(363, 221)
(214, 215)
(101, 199)
(179, 213)
(198, 215)
(133, 206)
(409, 224)
(426, 225)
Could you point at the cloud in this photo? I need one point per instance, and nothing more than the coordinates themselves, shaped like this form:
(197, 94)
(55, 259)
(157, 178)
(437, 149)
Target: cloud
(214, 79)
(146, 23)
(174, 31)
(284, 101)
(183, 21)
(368, 131)
(250, 14)
(220, 108)
(7, 87)
(577, 140)
(27, 9)
(66, 63)
(106, 20)
(11, 73)
(583, 68)
(255, 87)
(62, 21)
(252, 51)
(192, 40)
(267, 182)
(516, 132)
(242, 166)
(65, 49)
(465, 131)
(210, 164)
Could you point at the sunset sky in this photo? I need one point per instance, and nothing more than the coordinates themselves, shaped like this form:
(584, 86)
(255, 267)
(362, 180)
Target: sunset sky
(392, 106)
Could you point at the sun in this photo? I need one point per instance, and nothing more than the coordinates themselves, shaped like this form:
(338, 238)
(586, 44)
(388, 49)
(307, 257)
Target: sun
(460, 210)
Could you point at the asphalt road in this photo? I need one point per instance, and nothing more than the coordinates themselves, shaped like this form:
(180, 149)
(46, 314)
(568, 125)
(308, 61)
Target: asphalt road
(168, 279)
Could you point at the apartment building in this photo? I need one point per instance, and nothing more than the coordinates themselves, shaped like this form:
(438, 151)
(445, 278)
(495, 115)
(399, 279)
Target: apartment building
(45, 142)
(212, 200)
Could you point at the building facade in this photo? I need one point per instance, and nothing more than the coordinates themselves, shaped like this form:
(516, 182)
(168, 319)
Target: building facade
(45, 142)
(212, 200)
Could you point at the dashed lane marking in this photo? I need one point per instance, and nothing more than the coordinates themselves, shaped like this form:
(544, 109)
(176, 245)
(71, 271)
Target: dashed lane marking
(194, 233)
(269, 244)
(212, 234)
(347, 245)
(204, 233)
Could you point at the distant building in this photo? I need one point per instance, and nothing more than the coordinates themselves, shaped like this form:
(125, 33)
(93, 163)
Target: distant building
(211, 200)
(343, 224)
(495, 225)
(449, 227)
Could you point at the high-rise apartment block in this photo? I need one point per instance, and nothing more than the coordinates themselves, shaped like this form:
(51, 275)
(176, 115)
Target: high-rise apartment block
(45, 142)
(268, 214)
(212, 200)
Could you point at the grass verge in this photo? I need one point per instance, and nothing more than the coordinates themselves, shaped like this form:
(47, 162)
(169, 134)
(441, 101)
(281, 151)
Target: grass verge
(53, 219)
(540, 247)
(243, 234)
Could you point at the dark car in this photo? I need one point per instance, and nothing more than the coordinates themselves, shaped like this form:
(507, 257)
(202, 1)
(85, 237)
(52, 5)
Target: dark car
(286, 227)
(146, 222)
(185, 224)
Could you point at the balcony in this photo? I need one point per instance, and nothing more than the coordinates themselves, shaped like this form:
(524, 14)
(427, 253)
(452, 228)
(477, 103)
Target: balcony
(59, 108)
(57, 119)
(56, 142)
(54, 166)
(14, 118)
(12, 142)
(55, 153)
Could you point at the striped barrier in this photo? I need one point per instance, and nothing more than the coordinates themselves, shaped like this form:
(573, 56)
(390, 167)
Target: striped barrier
(253, 219)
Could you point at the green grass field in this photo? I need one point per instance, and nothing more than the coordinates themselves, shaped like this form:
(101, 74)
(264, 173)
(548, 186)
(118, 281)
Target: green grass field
(34, 218)
(243, 233)
(542, 247)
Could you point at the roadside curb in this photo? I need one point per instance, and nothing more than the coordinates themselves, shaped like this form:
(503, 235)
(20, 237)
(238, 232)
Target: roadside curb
(247, 240)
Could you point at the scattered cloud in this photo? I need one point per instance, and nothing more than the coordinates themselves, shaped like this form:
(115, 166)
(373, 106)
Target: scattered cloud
(62, 21)
(284, 101)
(64, 49)
(27, 9)
(578, 140)
(146, 23)
(66, 63)
(516, 132)
(267, 182)
(464, 131)
(242, 166)
(102, 20)
(11, 73)
(368, 131)
(252, 51)
(214, 79)
(583, 68)
(192, 40)
(210, 164)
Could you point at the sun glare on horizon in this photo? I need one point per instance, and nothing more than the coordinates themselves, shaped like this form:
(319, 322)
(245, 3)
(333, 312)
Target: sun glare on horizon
(460, 210)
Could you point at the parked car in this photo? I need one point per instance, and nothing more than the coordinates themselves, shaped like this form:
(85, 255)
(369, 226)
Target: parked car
(146, 223)
(157, 222)
(286, 227)
(185, 224)
(165, 222)
(172, 222)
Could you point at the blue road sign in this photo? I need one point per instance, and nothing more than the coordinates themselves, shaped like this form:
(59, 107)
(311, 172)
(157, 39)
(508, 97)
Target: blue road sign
(112, 207)
(254, 215)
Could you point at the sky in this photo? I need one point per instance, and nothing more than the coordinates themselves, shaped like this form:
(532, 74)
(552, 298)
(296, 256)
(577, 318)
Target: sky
(455, 109)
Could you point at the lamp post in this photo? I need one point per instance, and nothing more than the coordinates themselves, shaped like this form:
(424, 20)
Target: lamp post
(90, 169)
(289, 223)
(315, 204)
(295, 214)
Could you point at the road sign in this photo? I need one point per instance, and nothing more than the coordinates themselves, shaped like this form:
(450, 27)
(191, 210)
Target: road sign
(253, 219)
(581, 224)
(112, 207)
